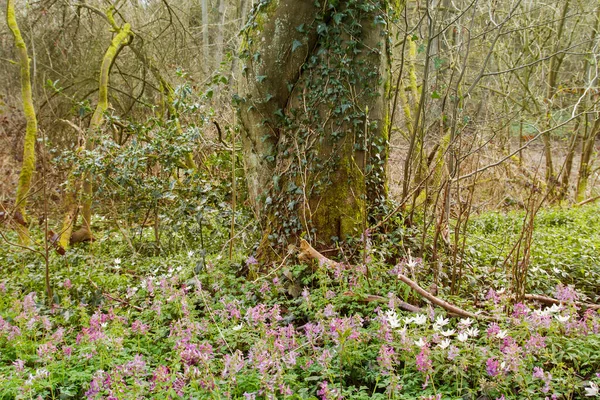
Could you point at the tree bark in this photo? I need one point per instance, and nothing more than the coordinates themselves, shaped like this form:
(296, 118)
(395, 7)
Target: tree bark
(120, 40)
(28, 167)
(313, 108)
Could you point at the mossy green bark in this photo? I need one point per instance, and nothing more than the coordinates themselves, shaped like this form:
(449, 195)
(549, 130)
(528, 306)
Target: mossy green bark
(121, 39)
(313, 107)
(28, 167)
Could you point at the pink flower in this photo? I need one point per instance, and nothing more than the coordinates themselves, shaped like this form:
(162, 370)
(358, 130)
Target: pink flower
(19, 365)
(566, 293)
(493, 329)
(492, 367)
(67, 284)
(139, 327)
(251, 261)
(386, 359)
(424, 363)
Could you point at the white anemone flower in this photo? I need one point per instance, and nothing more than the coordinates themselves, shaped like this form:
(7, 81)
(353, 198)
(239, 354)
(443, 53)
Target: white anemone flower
(444, 344)
(392, 319)
(555, 308)
(463, 337)
(473, 332)
(466, 322)
(420, 319)
(592, 390)
(448, 332)
(420, 342)
(562, 318)
(501, 334)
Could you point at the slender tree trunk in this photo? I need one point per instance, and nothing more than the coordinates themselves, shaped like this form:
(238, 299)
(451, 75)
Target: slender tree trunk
(568, 167)
(220, 34)
(555, 64)
(589, 139)
(312, 106)
(120, 40)
(28, 167)
(205, 36)
(585, 166)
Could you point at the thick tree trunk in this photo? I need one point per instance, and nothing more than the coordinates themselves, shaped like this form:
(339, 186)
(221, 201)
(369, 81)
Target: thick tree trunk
(313, 108)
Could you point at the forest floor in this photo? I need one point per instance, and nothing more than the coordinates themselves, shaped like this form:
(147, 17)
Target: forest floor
(191, 325)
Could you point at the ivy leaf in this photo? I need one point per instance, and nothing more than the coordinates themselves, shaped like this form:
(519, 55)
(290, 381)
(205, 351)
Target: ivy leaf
(261, 78)
(322, 29)
(337, 18)
(300, 28)
(435, 95)
(295, 45)
(379, 20)
(438, 62)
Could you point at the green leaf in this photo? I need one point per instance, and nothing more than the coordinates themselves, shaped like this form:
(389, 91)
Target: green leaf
(295, 45)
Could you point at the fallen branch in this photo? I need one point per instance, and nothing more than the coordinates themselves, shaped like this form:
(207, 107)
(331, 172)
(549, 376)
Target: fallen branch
(550, 301)
(108, 296)
(307, 252)
(590, 200)
(401, 304)
(436, 300)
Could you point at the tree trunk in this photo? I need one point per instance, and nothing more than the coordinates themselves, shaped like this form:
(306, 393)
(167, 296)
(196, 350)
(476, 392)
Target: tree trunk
(28, 167)
(120, 40)
(205, 36)
(555, 64)
(585, 165)
(313, 109)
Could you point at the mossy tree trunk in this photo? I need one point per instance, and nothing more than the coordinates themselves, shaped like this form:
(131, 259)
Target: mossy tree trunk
(313, 106)
(28, 167)
(121, 39)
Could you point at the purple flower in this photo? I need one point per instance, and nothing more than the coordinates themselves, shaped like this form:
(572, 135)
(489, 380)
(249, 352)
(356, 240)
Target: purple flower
(520, 310)
(492, 295)
(139, 327)
(535, 343)
(325, 392)
(19, 365)
(424, 363)
(251, 261)
(566, 293)
(328, 312)
(492, 367)
(493, 329)
(538, 373)
(453, 352)
(386, 359)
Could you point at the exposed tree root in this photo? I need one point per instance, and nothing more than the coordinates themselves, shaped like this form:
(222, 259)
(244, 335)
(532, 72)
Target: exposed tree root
(307, 252)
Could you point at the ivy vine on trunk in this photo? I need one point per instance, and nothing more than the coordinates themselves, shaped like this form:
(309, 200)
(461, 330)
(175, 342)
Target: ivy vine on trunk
(313, 107)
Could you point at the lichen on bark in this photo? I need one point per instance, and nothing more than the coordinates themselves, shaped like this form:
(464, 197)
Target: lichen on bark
(121, 39)
(314, 113)
(28, 167)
